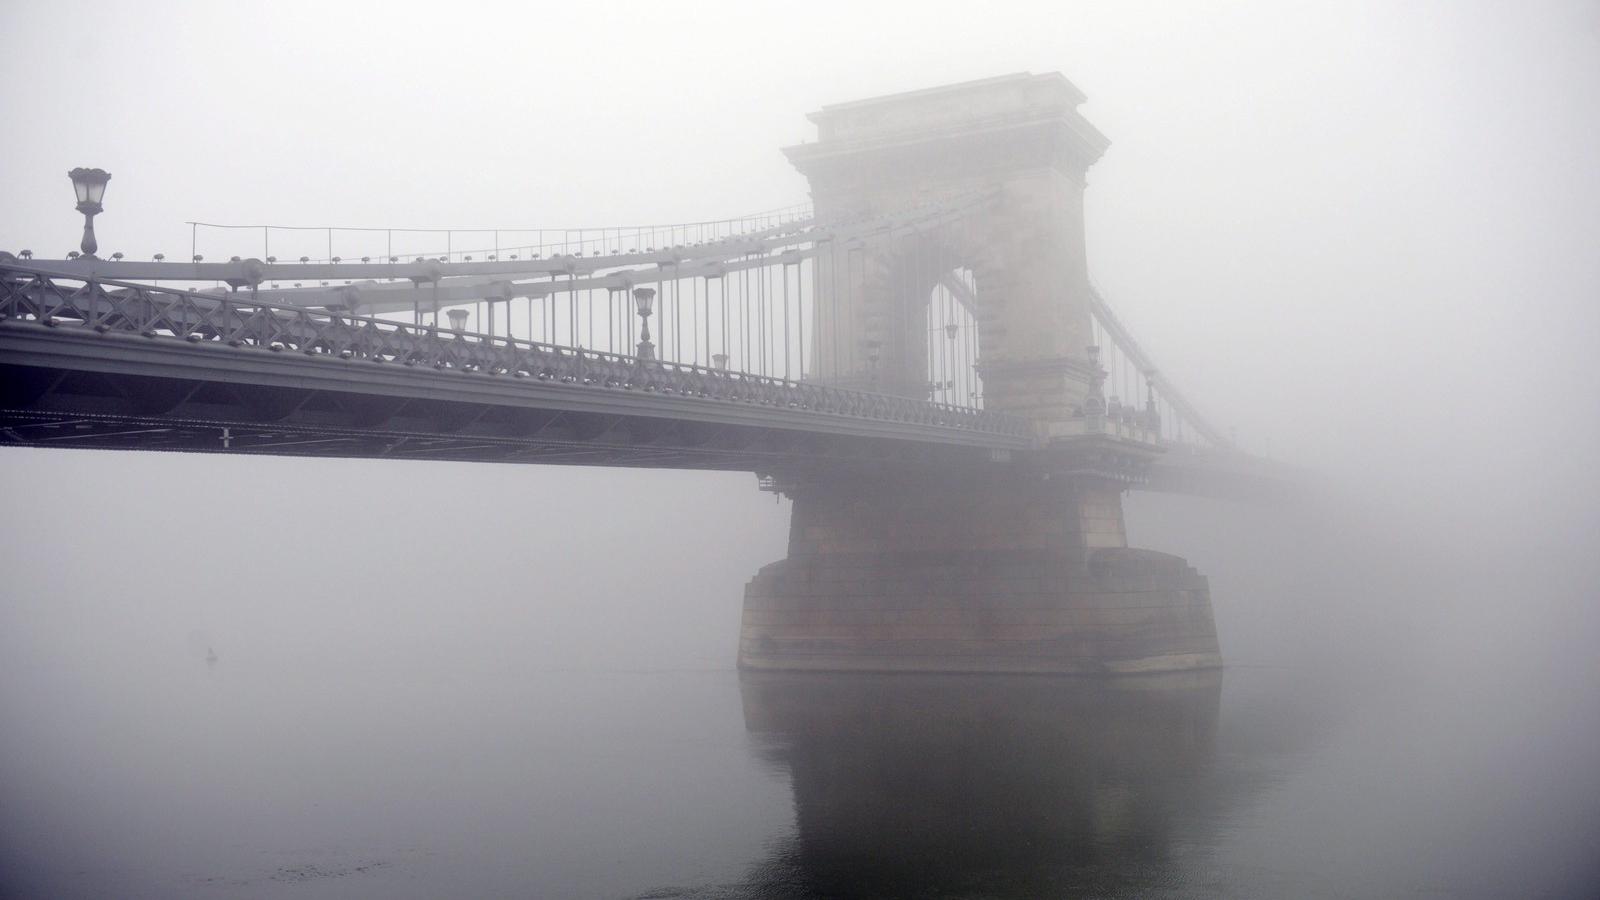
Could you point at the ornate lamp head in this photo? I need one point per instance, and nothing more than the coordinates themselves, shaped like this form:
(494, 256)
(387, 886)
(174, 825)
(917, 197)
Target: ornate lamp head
(644, 299)
(90, 186)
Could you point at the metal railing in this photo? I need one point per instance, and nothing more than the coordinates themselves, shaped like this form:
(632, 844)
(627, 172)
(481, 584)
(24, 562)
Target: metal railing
(233, 319)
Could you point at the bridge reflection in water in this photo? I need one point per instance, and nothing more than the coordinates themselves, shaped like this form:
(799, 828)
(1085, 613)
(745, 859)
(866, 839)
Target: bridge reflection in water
(932, 785)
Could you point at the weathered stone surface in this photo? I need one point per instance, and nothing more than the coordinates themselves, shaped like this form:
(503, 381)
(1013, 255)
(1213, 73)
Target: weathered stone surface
(1019, 143)
(1005, 574)
(1002, 570)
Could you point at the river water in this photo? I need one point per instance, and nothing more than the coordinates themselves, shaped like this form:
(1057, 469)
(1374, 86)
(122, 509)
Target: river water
(1394, 721)
(1251, 782)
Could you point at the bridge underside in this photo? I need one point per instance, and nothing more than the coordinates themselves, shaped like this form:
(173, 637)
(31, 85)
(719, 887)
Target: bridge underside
(45, 406)
(49, 407)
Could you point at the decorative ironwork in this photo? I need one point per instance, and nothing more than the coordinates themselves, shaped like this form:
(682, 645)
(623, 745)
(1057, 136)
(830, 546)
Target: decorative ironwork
(234, 319)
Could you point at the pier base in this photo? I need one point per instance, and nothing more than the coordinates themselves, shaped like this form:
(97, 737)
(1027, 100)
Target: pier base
(1010, 572)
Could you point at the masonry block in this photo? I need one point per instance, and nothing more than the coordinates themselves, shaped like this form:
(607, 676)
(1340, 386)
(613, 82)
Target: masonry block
(1020, 574)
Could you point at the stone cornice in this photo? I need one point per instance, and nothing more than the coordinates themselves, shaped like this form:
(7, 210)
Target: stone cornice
(1007, 123)
(1001, 147)
(1053, 84)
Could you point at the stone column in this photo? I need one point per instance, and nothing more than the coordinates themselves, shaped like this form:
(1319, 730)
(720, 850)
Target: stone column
(1034, 298)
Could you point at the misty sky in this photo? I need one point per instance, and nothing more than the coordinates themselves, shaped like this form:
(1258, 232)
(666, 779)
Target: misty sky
(1402, 194)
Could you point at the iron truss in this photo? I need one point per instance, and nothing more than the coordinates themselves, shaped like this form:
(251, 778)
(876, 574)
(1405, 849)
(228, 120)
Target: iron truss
(108, 363)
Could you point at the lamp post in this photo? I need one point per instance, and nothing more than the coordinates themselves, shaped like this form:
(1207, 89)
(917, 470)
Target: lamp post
(458, 319)
(90, 186)
(644, 299)
(1152, 415)
(1094, 402)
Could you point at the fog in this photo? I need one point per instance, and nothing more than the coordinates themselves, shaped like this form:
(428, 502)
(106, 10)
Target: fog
(1366, 236)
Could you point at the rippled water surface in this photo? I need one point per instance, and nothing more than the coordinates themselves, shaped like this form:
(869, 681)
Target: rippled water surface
(524, 711)
(235, 780)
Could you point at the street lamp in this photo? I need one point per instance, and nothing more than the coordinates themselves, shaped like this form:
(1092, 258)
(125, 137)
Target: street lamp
(90, 186)
(1094, 402)
(644, 299)
(720, 360)
(458, 319)
(1152, 415)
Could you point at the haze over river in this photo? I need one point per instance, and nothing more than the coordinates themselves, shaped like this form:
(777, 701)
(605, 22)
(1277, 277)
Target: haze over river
(418, 717)
(1362, 233)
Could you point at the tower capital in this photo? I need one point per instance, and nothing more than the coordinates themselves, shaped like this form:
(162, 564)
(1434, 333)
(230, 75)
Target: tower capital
(944, 136)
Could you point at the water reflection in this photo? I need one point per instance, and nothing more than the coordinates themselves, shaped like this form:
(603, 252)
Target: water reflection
(915, 786)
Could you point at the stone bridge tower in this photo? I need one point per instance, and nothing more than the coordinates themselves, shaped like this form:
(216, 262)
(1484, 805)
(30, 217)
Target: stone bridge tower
(1019, 564)
(1016, 150)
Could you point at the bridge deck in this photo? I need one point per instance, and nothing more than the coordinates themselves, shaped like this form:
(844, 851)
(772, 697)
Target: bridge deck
(118, 364)
(115, 365)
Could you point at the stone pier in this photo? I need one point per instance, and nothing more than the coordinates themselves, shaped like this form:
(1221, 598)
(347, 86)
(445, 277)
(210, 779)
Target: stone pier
(1012, 571)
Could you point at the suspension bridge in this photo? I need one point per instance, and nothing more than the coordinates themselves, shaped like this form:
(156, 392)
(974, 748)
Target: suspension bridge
(917, 358)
